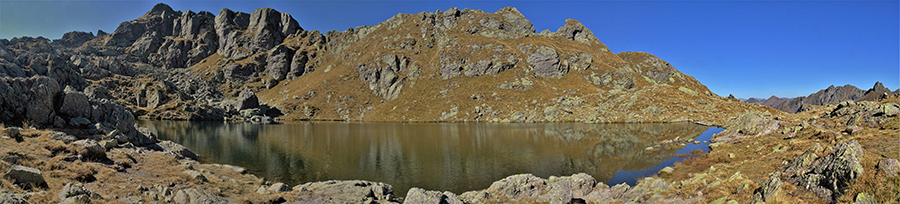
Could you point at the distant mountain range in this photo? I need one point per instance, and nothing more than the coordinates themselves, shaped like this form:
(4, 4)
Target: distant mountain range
(830, 95)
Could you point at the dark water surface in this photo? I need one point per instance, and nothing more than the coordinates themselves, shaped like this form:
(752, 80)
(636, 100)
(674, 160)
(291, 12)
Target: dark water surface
(454, 157)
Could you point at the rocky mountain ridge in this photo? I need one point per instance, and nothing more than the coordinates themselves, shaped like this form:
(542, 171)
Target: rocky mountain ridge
(829, 96)
(453, 65)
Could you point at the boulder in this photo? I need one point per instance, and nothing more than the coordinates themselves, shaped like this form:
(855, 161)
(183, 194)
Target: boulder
(195, 175)
(13, 132)
(565, 189)
(769, 189)
(61, 136)
(179, 151)
(11, 198)
(421, 196)
(544, 61)
(75, 104)
(354, 191)
(43, 93)
(279, 187)
(829, 176)
(889, 167)
(73, 192)
(25, 177)
(90, 149)
(198, 195)
(247, 99)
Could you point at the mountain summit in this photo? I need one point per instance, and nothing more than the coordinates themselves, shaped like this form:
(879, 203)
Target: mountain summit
(452, 65)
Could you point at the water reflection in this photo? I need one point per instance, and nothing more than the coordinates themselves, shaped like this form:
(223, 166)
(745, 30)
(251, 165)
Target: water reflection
(456, 157)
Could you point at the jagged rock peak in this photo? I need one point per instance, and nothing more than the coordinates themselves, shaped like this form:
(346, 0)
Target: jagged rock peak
(574, 30)
(879, 87)
(261, 18)
(160, 9)
(520, 24)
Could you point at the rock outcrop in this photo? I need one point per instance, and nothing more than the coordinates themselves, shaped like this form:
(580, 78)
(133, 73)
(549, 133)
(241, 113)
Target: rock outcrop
(829, 176)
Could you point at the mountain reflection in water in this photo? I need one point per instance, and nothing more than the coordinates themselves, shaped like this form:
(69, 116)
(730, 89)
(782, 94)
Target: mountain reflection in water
(454, 157)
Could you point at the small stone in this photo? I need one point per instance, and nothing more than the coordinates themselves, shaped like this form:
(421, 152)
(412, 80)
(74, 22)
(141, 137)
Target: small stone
(889, 167)
(196, 175)
(865, 198)
(667, 170)
(13, 132)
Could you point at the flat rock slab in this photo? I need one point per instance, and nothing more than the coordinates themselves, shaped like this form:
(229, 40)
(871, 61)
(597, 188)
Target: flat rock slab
(25, 176)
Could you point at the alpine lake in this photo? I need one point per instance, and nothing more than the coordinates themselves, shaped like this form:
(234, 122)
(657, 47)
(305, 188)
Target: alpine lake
(455, 157)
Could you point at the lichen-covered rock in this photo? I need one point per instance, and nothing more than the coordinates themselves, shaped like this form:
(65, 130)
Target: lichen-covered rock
(829, 176)
(769, 189)
(10, 198)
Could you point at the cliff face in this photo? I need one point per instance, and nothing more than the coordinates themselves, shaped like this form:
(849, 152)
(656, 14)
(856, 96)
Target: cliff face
(453, 65)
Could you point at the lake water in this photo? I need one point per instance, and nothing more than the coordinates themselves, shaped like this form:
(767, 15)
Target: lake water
(454, 157)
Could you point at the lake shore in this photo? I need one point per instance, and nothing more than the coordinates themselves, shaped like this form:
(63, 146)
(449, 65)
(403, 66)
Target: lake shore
(739, 167)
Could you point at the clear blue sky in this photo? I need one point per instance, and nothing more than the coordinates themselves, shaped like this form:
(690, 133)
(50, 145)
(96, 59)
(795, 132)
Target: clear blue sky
(745, 48)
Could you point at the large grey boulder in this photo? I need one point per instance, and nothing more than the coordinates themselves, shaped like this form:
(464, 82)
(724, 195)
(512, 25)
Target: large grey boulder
(421, 196)
(527, 188)
(247, 99)
(278, 62)
(90, 149)
(354, 191)
(25, 176)
(43, 95)
(544, 62)
(198, 195)
(75, 103)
